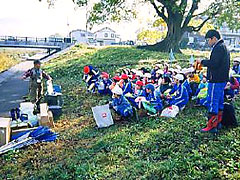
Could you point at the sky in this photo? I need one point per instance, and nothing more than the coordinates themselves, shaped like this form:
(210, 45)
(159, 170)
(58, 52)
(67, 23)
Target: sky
(34, 19)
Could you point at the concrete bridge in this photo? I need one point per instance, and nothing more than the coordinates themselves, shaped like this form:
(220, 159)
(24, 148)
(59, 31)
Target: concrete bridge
(52, 44)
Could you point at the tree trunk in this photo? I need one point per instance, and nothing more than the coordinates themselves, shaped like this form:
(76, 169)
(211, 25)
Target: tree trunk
(173, 38)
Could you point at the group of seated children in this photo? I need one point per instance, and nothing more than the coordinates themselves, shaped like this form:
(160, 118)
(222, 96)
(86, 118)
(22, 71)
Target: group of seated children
(156, 89)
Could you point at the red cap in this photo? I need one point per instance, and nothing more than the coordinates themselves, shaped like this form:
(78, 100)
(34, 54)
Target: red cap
(105, 75)
(86, 69)
(139, 83)
(124, 76)
(117, 78)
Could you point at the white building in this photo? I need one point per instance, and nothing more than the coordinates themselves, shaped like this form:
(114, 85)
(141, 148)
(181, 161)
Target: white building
(231, 37)
(102, 37)
(82, 36)
(106, 36)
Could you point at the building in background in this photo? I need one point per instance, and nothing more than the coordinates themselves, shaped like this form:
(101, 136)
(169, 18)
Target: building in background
(231, 37)
(82, 36)
(106, 36)
(103, 37)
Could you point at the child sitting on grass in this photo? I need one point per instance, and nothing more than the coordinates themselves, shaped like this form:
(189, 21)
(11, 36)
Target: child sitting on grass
(126, 84)
(152, 102)
(91, 75)
(103, 84)
(232, 87)
(181, 97)
(115, 81)
(138, 91)
(201, 93)
(120, 104)
(194, 81)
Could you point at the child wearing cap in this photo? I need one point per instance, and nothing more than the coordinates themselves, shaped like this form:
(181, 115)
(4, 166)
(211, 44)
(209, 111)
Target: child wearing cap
(125, 84)
(181, 97)
(90, 76)
(115, 80)
(157, 78)
(232, 87)
(103, 84)
(120, 104)
(152, 102)
(147, 78)
(138, 91)
(133, 75)
(194, 81)
(201, 93)
(236, 68)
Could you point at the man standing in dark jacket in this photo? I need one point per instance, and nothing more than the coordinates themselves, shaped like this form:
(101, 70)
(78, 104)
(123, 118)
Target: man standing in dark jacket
(217, 74)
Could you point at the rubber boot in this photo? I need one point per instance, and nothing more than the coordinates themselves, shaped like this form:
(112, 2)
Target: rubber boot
(220, 113)
(211, 125)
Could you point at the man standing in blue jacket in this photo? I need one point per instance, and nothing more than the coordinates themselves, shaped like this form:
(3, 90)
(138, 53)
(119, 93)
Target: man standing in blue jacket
(217, 74)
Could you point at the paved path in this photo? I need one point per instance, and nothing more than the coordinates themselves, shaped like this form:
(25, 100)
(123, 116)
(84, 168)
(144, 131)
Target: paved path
(12, 88)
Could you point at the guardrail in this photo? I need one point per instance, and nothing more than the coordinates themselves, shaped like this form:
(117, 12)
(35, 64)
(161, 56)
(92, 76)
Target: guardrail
(48, 43)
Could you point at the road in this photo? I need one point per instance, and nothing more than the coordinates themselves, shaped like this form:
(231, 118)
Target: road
(12, 88)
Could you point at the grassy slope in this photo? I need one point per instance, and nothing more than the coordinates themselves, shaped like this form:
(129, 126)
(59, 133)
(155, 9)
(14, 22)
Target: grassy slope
(153, 148)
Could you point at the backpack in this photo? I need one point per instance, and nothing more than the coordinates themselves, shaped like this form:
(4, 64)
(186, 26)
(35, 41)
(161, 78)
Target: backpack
(229, 118)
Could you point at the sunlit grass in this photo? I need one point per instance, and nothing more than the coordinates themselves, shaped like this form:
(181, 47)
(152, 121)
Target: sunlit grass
(153, 148)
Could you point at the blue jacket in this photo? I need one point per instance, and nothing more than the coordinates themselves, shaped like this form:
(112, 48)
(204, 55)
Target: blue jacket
(105, 89)
(94, 73)
(236, 69)
(181, 93)
(122, 106)
(186, 84)
(154, 99)
(127, 88)
(174, 89)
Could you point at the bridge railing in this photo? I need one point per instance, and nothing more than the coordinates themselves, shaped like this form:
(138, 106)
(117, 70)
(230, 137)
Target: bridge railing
(50, 41)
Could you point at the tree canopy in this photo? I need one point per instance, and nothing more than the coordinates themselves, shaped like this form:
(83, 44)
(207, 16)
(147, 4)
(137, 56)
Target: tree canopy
(177, 14)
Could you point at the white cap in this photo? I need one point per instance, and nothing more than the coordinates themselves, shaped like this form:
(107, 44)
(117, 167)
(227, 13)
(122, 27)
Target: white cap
(178, 67)
(179, 77)
(188, 70)
(139, 73)
(147, 75)
(191, 69)
(160, 71)
(134, 70)
(117, 90)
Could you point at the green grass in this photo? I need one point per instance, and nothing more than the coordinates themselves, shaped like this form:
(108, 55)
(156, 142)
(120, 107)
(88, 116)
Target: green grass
(153, 148)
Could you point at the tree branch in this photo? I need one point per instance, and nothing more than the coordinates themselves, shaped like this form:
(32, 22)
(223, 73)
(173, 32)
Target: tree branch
(190, 13)
(200, 14)
(198, 28)
(183, 5)
(160, 13)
